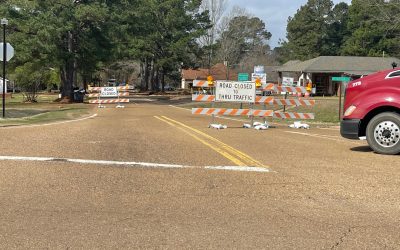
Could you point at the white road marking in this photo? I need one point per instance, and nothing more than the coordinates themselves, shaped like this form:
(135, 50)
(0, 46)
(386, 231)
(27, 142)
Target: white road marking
(328, 137)
(49, 124)
(335, 129)
(133, 164)
(239, 168)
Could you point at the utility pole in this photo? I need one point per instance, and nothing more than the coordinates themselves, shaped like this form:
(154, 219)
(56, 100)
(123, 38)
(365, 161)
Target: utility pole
(4, 22)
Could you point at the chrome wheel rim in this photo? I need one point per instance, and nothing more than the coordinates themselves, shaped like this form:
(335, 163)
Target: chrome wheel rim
(387, 134)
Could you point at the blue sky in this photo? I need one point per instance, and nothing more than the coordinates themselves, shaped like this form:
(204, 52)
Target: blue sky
(274, 13)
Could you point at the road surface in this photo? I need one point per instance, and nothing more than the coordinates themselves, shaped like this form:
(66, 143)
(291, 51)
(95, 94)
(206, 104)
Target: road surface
(154, 176)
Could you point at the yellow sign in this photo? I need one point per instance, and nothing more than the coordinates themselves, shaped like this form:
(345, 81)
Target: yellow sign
(210, 80)
(309, 87)
(258, 83)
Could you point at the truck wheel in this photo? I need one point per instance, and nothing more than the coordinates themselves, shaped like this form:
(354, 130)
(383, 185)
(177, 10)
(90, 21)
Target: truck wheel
(383, 133)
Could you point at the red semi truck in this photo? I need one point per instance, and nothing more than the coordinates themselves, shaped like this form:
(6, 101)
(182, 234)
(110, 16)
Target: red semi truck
(372, 111)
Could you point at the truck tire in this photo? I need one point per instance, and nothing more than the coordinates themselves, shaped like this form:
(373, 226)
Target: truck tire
(383, 133)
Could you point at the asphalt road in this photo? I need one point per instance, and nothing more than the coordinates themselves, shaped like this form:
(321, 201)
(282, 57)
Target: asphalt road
(154, 176)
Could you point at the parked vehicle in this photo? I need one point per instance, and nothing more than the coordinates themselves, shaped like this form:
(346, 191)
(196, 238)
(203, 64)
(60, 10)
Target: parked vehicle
(372, 111)
(169, 88)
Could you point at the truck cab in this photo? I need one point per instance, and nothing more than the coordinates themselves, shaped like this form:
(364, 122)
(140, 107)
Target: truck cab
(372, 111)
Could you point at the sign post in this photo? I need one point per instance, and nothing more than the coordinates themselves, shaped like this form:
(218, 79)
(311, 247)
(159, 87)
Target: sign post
(5, 58)
(342, 79)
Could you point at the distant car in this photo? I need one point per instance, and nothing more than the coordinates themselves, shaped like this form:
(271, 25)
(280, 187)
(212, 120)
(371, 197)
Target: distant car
(169, 88)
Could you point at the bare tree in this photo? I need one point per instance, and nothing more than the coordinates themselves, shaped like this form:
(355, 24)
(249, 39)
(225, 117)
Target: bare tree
(229, 43)
(216, 10)
(243, 40)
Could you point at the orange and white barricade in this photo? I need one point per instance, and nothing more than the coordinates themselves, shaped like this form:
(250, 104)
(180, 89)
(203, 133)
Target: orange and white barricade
(103, 95)
(251, 112)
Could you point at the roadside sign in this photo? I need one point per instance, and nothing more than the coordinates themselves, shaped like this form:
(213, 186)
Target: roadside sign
(287, 81)
(1, 86)
(261, 76)
(259, 69)
(9, 50)
(235, 92)
(243, 77)
(109, 92)
(341, 79)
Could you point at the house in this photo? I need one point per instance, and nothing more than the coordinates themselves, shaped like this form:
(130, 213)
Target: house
(218, 72)
(1, 85)
(320, 70)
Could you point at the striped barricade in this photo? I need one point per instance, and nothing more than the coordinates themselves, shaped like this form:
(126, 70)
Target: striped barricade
(203, 98)
(269, 100)
(232, 112)
(294, 115)
(199, 83)
(290, 89)
(264, 100)
(104, 93)
(268, 87)
(109, 101)
(252, 112)
(220, 111)
(294, 102)
(276, 88)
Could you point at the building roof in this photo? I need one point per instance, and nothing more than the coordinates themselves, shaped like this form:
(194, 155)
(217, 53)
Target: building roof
(218, 71)
(292, 62)
(350, 65)
(194, 74)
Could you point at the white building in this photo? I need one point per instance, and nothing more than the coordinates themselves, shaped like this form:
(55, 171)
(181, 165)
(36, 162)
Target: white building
(1, 85)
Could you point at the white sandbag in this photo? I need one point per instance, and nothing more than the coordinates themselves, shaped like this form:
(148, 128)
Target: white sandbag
(261, 127)
(246, 125)
(299, 125)
(218, 126)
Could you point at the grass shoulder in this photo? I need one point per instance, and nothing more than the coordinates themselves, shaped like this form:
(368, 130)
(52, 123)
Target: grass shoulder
(46, 110)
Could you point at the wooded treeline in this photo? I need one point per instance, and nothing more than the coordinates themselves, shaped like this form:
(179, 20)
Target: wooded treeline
(77, 39)
(364, 28)
(72, 42)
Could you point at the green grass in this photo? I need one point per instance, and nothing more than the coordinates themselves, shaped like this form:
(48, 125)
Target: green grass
(44, 111)
(326, 109)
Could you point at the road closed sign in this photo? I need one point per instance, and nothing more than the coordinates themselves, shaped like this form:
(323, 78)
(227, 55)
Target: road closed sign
(235, 92)
(109, 92)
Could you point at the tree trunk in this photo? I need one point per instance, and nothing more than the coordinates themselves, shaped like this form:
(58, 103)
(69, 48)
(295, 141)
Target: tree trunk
(162, 80)
(156, 79)
(152, 76)
(67, 74)
(144, 73)
(85, 82)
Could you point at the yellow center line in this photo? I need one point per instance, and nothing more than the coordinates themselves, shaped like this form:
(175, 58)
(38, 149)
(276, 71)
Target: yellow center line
(244, 157)
(218, 150)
